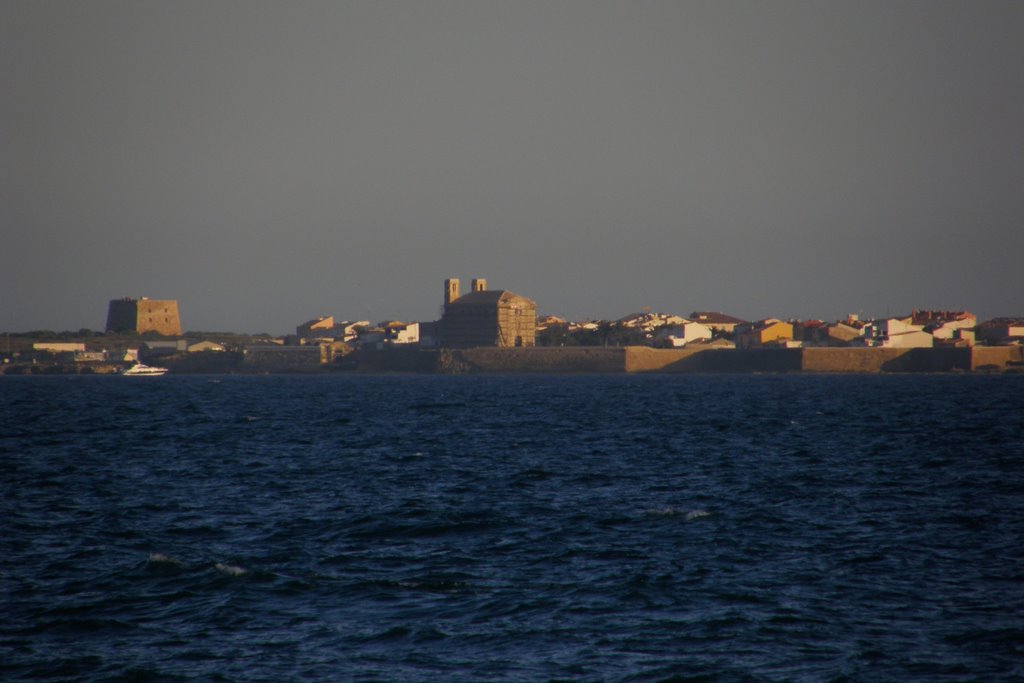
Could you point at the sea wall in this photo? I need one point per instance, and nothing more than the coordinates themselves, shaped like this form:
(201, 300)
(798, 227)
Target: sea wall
(824, 359)
(641, 359)
(854, 359)
(997, 358)
(410, 359)
(488, 360)
(697, 359)
(543, 359)
(271, 358)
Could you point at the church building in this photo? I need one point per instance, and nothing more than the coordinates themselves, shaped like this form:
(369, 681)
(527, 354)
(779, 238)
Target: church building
(484, 317)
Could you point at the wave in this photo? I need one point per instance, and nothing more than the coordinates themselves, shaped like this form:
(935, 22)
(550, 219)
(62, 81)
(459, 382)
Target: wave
(229, 569)
(689, 516)
(160, 558)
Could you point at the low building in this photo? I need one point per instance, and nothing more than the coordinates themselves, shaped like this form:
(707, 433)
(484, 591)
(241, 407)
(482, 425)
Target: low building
(158, 347)
(810, 332)
(718, 322)
(943, 325)
(842, 334)
(549, 320)
(368, 336)
(649, 322)
(205, 345)
(716, 343)
(676, 336)
(762, 333)
(1002, 331)
(897, 333)
(401, 333)
(328, 329)
(350, 331)
(59, 347)
(320, 326)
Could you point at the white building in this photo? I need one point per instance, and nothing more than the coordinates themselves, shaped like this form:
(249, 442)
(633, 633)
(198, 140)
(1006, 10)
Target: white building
(205, 345)
(948, 325)
(895, 333)
(679, 335)
(352, 330)
(402, 333)
(59, 347)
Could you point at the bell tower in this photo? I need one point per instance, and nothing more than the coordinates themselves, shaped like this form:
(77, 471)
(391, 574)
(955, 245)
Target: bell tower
(451, 290)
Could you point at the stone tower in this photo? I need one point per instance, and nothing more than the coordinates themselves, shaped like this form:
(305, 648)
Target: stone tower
(451, 290)
(144, 315)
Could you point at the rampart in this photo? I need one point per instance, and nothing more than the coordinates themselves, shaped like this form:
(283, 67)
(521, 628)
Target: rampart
(491, 360)
(545, 359)
(644, 359)
(886, 360)
(997, 358)
(284, 358)
(641, 359)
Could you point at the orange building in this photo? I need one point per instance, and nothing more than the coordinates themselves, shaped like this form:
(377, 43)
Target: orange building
(762, 333)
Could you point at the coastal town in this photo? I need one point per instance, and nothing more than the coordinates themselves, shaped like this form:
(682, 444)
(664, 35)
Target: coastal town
(496, 330)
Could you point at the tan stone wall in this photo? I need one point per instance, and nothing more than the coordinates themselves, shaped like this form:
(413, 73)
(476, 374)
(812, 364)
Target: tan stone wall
(997, 357)
(643, 359)
(517, 324)
(121, 315)
(697, 359)
(156, 315)
(284, 358)
(840, 359)
(694, 360)
(543, 360)
(474, 325)
(468, 326)
(144, 315)
(837, 359)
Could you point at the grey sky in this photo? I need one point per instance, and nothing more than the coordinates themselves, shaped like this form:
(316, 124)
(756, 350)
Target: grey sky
(267, 162)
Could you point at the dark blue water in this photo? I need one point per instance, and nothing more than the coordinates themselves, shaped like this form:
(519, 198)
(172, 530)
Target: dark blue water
(512, 528)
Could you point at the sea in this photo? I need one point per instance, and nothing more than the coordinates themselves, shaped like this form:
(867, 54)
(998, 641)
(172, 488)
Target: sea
(512, 528)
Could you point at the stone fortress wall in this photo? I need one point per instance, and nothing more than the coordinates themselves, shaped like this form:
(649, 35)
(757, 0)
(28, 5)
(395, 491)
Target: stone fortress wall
(641, 359)
(144, 315)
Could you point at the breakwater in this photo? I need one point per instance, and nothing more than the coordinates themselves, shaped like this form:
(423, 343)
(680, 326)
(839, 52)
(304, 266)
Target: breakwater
(640, 359)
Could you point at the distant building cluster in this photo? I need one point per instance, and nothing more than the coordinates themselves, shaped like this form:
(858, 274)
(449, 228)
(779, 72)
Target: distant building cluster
(498, 318)
(480, 317)
(919, 329)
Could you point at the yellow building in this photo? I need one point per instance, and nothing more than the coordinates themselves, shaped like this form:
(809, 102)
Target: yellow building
(763, 333)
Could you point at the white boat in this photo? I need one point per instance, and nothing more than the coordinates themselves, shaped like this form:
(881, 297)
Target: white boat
(140, 370)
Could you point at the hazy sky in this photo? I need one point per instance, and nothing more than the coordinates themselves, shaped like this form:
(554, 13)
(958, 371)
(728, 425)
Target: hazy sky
(267, 162)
